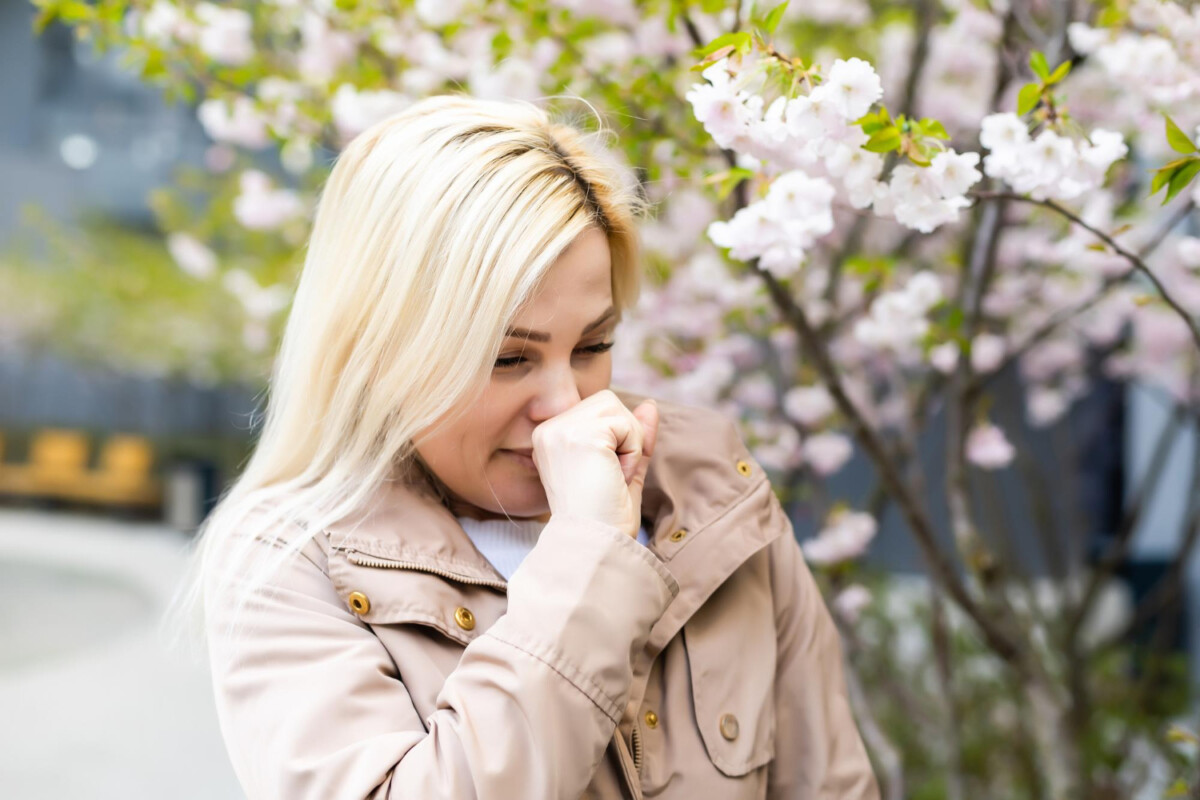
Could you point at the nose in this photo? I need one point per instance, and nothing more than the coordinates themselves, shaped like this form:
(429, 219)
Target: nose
(559, 391)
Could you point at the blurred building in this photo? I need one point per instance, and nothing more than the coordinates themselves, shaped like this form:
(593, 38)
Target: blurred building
(81, 135)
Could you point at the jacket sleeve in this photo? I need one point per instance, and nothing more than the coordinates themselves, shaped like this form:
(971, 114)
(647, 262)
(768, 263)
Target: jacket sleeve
(312, 707)
(819, 753)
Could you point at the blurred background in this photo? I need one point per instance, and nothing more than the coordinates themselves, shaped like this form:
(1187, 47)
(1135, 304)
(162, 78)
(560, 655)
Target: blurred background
(148, 242)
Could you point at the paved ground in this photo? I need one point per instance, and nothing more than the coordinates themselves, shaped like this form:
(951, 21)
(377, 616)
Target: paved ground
(92, 703)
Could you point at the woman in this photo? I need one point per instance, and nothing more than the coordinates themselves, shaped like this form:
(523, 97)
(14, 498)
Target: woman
(459, 564)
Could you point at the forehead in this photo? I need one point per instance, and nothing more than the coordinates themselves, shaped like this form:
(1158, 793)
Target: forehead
(577, 287)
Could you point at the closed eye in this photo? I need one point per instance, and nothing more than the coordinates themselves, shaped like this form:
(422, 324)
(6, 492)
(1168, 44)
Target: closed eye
(587, 352)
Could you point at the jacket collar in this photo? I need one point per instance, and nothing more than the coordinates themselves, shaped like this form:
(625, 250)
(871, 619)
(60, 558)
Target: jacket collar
(699, 472)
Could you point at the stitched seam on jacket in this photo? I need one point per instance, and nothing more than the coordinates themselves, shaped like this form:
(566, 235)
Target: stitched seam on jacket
(729, 509)
(577, 678)
(640, 551)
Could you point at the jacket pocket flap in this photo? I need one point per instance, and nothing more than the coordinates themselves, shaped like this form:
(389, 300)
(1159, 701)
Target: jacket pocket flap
(730, 643)
(383, 592)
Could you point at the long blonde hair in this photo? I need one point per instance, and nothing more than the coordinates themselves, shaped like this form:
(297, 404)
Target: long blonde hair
(435, 225)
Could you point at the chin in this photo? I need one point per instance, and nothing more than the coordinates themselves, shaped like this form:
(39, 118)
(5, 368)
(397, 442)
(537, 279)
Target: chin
(518, 498)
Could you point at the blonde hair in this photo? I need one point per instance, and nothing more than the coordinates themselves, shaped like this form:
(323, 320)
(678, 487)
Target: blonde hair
(433, 228)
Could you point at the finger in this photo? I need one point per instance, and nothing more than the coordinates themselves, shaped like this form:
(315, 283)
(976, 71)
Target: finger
(647, 413)
(646, 423)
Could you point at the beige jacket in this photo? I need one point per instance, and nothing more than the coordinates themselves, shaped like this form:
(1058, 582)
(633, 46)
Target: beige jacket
(393, 661)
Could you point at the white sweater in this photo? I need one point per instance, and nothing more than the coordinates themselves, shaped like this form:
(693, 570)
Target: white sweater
(504, 543)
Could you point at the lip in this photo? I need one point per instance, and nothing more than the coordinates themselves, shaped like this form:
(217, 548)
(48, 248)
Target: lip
(523, 457)
(525, 451)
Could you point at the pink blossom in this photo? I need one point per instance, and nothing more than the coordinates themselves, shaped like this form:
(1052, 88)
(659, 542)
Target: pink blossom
(987, 352)
(826, 453)
(235, 122)
(1044, 406)
(780, 448)
(260, 206)
(844, 537)
(354, 110)
(944, 357)
(225, 34)
(808, 405)
(987, 447)
(850, 602)
(323, 49)
(756, 391)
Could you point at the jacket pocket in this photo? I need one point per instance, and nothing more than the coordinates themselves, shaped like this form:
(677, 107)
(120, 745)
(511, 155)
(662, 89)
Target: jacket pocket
(730, 644)
(385, 590)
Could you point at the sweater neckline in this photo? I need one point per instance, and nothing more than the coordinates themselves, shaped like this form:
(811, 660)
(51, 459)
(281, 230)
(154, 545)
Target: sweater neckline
(506, 526)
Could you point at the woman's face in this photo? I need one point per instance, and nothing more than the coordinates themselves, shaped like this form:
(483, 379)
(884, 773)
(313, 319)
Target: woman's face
(555, 354)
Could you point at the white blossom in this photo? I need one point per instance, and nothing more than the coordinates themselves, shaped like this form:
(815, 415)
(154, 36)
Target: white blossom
(439, 13)
(191, 255)
(987, 352)
(987, 447)
(944, 357)
(354, 110)
(808, 405)
(238, 122)
(850, 602)
(261, 206)
(845, 536)
(224, 34)
(853, 87)
(827, 452)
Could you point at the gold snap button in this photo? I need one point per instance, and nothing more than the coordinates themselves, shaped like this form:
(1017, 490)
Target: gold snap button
(464, 618)
(651, 719)
(743, 468)
(678, 535)
(729, 726)
(359, 603)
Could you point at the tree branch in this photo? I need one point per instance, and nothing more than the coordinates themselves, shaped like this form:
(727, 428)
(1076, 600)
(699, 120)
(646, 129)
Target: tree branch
(1134, 259)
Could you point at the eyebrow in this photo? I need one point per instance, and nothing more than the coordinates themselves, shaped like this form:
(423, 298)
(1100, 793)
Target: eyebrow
(539, 336)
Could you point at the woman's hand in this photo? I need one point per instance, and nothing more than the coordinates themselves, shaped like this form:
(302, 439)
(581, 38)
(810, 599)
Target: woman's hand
(592, 459)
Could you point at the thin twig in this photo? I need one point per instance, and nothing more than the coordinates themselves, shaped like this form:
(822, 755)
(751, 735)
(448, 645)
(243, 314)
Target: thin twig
(1060, 318)
(1118, 548)
(1133, 258)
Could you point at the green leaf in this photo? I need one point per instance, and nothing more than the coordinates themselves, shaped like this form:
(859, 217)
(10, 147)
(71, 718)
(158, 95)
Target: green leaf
(1037, 63)
(738, 40)
(1060, 72)
(1182, 177)
(931, 127)
(1028, 98)
(1178, 789)
(772, 20)
(727, 180)
(1178, 140)
(1161, 178)
(883, 140)
(873, 121)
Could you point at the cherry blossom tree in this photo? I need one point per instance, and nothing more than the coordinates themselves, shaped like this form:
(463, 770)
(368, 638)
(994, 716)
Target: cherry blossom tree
(876, 222)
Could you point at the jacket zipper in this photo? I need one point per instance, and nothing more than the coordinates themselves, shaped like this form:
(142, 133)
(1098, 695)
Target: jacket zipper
(637, 749)
(386, 563)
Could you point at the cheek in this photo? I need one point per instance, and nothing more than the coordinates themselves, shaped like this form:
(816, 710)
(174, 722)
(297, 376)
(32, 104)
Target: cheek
(597, 376)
